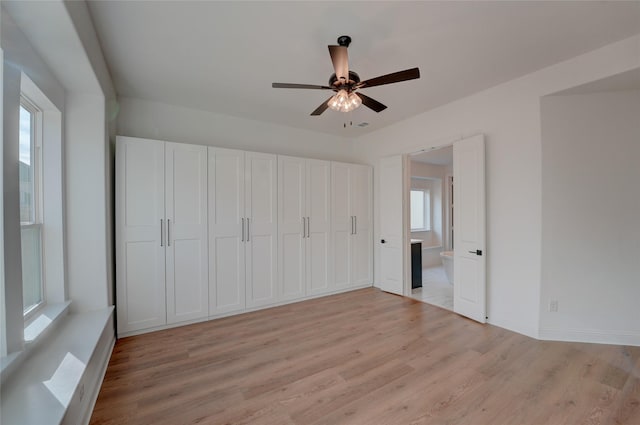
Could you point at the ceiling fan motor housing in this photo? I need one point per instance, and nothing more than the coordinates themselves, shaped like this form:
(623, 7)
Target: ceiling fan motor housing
(354, 79)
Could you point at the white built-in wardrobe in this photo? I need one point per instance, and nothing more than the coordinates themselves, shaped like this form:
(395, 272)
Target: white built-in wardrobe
(205, 232)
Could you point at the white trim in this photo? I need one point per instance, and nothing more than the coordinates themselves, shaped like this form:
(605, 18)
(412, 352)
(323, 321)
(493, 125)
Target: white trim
(241, 311)
(95, 389)
(96, 384)
(37, 198)
(596, 336)
(3, 317)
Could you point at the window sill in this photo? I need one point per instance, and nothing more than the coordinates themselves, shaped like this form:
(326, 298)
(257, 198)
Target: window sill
(35, 331)
(44, 321)
(62, 371)
(420, 230)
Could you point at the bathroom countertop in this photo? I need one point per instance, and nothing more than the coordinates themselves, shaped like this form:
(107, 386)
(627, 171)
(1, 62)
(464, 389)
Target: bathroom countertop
(416, 241)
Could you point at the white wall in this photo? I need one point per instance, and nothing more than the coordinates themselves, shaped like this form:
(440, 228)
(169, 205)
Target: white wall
(3, 316)
(89, 171)
(590, 213)
(54, 44)
(509, 116)
(65, 44)
(152, 120)
(19, 57)
(83, 25)
(87, 210)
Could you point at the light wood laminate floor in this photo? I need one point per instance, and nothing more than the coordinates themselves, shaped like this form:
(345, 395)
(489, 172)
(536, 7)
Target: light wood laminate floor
(364, 357)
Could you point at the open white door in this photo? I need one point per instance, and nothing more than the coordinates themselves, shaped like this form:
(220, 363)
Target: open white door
(469, 265)
(391, 225)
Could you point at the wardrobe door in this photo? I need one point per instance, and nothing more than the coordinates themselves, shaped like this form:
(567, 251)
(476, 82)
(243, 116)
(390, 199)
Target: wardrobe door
(318, 233)
(186, 230)
(362, 238)
(140, 237)
(342, 224)
(261, 216)
(227, 231)
(291, 226)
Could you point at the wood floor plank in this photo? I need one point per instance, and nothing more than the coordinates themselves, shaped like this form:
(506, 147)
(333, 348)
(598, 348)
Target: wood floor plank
(364, 357)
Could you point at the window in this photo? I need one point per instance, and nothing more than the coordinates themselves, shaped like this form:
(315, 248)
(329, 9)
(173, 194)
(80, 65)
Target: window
(30, 207)
(420, 210)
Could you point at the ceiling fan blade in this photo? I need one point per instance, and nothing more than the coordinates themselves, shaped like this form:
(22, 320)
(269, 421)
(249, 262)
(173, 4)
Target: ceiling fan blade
(340, 59)
(371, 103)
(299, 86)
(396, 77)
(320, 109)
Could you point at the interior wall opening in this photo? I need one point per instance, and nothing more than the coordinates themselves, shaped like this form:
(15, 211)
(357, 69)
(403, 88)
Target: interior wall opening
(431, 225)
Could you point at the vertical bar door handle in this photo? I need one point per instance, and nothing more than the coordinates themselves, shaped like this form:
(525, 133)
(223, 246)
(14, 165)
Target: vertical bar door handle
(352, 225)
(355, 224)
(248, 230)
(161, 232)
(304, 227)
(242, 229)
(308, 227)
(168, 232)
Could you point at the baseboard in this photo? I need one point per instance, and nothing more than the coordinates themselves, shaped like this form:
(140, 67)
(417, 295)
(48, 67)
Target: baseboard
(333, 291)
(596, 336)
(510, 326)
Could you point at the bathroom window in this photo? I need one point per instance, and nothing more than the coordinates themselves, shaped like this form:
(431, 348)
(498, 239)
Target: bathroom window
(420, 210)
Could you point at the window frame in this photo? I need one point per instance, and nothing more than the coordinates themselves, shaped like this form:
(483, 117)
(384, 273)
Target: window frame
(426, 210)
(37, 198)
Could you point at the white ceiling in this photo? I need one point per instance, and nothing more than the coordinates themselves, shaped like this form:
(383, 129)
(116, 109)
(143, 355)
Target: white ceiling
(625, 81)
(223, 56)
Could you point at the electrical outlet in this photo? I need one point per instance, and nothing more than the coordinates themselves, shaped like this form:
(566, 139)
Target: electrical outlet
(81, 392)
(553, 306)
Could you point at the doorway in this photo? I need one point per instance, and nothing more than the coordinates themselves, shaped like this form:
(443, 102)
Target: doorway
(430, 226)
(469, 237)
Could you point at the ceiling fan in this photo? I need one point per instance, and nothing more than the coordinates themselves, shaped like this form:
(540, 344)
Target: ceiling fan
(345, 83)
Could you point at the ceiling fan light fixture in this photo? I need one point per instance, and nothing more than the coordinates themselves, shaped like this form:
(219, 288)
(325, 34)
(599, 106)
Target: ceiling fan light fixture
(345, 82)
(344, 101)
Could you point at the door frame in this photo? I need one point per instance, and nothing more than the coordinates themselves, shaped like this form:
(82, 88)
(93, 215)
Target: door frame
(406, 218)
(406, 196)
(406, 207)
